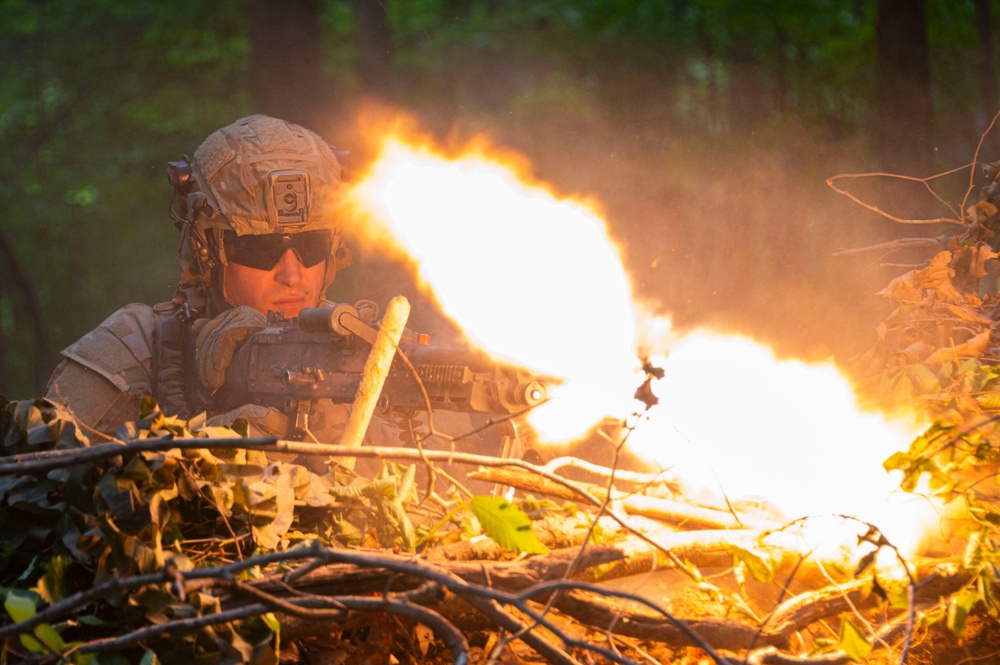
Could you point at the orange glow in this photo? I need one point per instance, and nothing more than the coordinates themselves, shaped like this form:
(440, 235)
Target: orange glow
(533, 278)
(529, 277)
(735, 422)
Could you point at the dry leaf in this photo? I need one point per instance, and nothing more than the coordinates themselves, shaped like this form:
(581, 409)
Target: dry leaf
(914, 352)
(903, 289)
(938, 276)
(967, 315)
(981, 254)
(970, 349)
(424, 637)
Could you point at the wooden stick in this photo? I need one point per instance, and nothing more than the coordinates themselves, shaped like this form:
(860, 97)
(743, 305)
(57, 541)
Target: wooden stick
(375, 372)
(685, 515)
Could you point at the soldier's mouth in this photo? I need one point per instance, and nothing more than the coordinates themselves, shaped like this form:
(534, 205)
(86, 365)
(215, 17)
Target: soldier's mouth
(290, 300)
(290, 306)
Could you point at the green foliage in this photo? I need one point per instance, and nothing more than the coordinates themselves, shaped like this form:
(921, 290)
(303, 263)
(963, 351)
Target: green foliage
(506, 524)
(853, 641)
(759, 566)
(959, 607)
(67, 529)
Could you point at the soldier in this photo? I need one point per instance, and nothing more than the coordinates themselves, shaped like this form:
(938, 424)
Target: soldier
(257, 209)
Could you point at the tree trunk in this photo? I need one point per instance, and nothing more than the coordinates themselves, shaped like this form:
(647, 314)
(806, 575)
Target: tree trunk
(286, 62)
(22, 331)
(374, 47)
(903, 106)
(989, 94)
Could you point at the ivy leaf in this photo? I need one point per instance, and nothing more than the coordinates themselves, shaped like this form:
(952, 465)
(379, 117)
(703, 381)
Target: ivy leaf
(507, 525)
(21, 607)
(853, 642)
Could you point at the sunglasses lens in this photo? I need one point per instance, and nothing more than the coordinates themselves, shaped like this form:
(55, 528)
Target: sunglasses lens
(315, 250)
(262, 252)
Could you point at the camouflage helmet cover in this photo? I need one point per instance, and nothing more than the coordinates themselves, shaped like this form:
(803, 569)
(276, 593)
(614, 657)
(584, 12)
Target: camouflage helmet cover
(263, 175)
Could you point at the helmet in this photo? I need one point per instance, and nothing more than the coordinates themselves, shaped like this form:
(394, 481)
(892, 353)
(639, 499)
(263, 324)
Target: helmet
(258, 175)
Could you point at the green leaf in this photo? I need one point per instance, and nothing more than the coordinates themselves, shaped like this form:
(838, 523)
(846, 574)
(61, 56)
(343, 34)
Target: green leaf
(271, 621)
(149, 658)
(32, 645)
(899, 596)
(923, 379)
(931, 617)
(55, 584)
(19, 606)
(51, 637)
(959, 607)
(853, 642)
(759, 567)
(507, 525)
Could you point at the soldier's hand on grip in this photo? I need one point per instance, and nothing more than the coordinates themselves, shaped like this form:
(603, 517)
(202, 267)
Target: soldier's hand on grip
(219, 339)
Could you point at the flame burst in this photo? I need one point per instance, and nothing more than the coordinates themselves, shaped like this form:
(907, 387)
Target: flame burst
(736, 422)
(534, 279)
(530, 278)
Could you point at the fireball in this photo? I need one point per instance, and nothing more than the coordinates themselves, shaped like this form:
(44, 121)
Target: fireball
(535, 279)
(531, 278)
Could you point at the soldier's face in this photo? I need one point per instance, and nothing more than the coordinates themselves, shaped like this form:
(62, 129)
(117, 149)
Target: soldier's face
(287, 288)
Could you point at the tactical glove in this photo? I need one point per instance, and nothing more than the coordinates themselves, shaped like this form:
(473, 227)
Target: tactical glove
(218, 340)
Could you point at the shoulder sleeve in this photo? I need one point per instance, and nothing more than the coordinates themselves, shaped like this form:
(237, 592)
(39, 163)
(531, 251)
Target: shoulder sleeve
(108, 371)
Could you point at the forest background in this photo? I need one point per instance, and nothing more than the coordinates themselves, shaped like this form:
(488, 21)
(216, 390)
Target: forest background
(706, 129)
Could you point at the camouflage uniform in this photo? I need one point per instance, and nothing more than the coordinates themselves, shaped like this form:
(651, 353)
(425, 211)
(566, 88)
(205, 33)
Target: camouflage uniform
(109, 370)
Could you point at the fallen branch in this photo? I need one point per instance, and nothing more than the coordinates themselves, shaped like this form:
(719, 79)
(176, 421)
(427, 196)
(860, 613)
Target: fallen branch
(684, 515)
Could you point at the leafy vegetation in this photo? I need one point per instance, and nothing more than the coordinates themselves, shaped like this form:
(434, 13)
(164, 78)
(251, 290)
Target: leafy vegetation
(937, 353)
(89, 526)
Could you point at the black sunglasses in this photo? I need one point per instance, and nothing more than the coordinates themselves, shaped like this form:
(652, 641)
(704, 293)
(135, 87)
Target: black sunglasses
(263, 252)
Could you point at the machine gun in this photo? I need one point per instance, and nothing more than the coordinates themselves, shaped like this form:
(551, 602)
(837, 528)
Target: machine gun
(321, 353)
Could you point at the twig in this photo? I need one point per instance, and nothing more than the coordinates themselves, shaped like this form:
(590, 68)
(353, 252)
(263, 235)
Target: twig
(892, 246)
(875, 209)
(975, 159)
